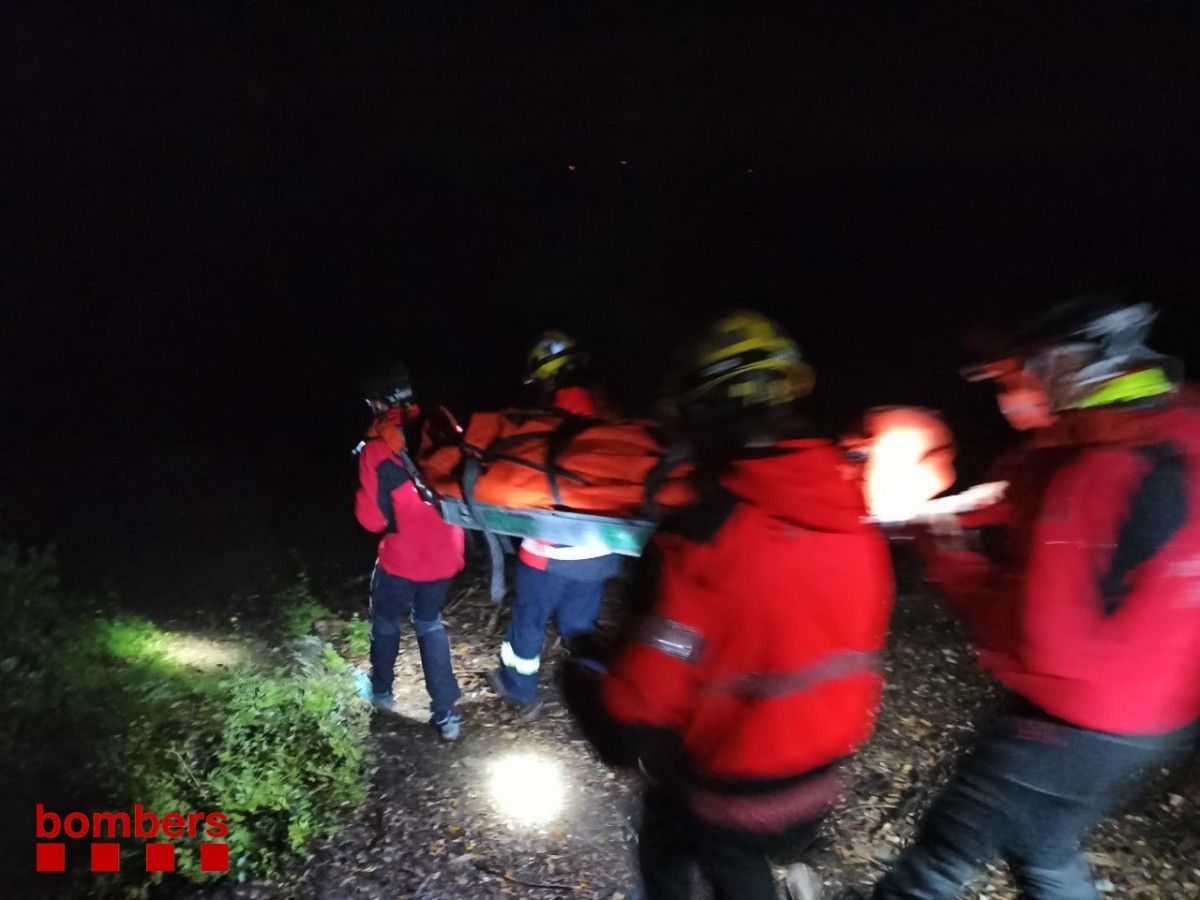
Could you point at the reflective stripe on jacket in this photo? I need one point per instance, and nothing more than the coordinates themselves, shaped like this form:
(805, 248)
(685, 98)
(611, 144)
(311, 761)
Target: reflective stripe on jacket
(762, 651)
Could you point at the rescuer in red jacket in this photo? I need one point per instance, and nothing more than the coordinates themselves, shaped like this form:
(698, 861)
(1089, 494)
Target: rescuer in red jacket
(552, 581)
(757, 668)
(1089, 618)
(419, 554)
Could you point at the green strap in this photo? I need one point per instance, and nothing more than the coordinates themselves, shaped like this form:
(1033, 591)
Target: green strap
(1127, 388)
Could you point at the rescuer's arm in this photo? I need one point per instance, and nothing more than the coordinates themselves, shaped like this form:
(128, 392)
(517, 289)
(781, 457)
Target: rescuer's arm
(379, 473)
(650, 690)
(1156, 511)
(1123, 509)
(961, 574)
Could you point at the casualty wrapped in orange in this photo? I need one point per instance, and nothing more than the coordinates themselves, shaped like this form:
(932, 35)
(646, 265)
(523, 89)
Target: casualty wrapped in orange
(551, 460)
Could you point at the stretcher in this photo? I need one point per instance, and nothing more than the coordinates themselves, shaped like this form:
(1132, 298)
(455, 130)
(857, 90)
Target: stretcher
(544, 464)
(563, 479)
(624, 536)
(627, 537)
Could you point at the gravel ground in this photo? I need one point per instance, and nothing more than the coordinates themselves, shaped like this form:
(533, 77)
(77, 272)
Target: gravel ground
(433, 829)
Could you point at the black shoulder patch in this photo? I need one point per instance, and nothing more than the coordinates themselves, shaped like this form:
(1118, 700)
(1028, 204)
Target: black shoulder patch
(389, 475)
(701, 522)
(1157, 512)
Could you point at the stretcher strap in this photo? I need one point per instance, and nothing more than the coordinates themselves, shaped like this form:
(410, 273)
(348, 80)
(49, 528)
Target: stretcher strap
(556, 439)
(471, 470)
(657, 477)
(559, 440)
(424, 491)
(549, 471)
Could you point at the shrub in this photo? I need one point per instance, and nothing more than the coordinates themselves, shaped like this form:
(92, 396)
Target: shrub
(99, 706)
(298, 608)
(285, 761)
(358, 637)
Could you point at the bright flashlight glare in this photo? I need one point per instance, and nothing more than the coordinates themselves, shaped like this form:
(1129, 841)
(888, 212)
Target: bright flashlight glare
(526, 788)
(910, 460)
(899, 483)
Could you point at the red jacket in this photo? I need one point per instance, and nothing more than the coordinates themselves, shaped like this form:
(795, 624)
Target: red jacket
(576, 400)
(417, 544)
(1093, 612)
(762, 651)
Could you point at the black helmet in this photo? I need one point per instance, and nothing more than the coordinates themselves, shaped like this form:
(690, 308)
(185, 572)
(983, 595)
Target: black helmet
(1115, 324)
(390, 387)
(1078, 345)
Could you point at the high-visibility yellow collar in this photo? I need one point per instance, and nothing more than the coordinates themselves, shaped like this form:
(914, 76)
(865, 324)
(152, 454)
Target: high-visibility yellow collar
(1135, 386)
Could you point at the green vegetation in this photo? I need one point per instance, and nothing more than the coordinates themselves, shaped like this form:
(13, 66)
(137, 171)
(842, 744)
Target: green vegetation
(358, 637)
(299, 609)
(104, 710)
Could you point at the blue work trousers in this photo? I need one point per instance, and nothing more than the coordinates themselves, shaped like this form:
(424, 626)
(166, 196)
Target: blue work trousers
(1029, 793)
(394, 598)
(540, 595)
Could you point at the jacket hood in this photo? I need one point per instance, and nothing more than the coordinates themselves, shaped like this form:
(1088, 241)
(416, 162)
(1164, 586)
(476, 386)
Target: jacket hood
(807, 483)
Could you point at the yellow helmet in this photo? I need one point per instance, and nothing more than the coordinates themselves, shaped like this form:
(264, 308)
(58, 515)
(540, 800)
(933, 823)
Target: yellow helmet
(745, 359)
(553, 355)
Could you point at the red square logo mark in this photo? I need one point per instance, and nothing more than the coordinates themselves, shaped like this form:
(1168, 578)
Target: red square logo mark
(51, 857)
(160, 857)
(214, 857)
(106, 857)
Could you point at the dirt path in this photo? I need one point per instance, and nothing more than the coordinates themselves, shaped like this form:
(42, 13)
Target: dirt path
(433, 827)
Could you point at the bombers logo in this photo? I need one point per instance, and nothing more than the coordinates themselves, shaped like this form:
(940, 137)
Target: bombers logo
(104, 829)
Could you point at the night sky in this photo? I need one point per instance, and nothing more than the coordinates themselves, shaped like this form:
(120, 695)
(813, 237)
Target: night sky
(219, 214)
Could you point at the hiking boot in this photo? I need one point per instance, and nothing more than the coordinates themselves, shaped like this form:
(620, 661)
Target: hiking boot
(384, 702)
(449, 726)
(525, 711)
(803, 883)
(529, 711)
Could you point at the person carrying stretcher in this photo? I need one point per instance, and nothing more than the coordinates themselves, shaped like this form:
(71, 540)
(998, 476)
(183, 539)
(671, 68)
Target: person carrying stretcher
(566, 583)
(1084, 609)
(757, 668)
(419, 554)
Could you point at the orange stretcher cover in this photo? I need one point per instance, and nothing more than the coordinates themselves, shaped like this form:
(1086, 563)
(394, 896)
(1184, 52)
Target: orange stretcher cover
(551, 460)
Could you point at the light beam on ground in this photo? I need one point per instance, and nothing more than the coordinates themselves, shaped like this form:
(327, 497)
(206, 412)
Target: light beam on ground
(200, 653)
(526, 788)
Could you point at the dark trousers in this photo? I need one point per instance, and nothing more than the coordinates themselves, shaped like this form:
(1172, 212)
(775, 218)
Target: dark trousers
(394, 598)
(672, 844)
(574, 605)
(1030, 792)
